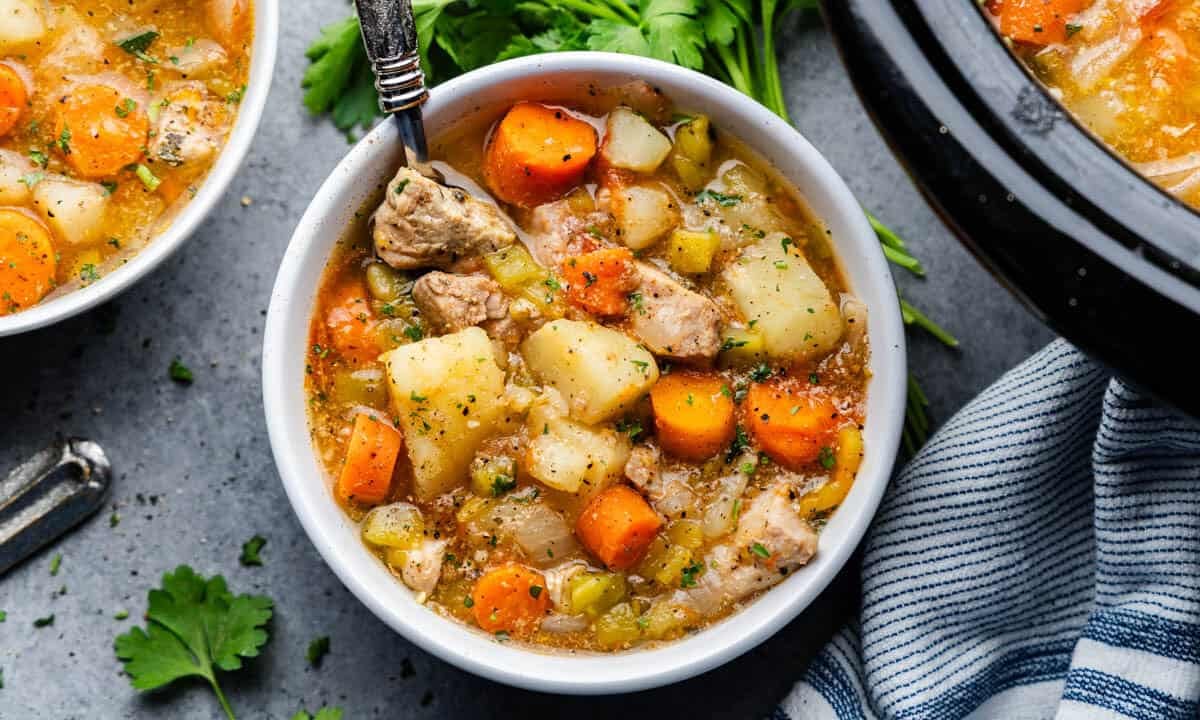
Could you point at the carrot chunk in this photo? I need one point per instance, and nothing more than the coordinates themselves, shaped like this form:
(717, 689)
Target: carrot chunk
(27, 261)
(1036, 22)
(617, 526)
(14, 97)
(537, 154)
(600, 281)
(366, 477)
(99, 131)
(351, 323)
(511, 598)
(792, 426)
(692, 415)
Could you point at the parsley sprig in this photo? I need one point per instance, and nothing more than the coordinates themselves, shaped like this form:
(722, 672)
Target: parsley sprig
(194, 627)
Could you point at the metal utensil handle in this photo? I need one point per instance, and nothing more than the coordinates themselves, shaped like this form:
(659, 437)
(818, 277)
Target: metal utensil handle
(49, 494)
(389, 33)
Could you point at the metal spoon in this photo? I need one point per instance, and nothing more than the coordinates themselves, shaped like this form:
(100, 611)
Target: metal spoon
(389, 32)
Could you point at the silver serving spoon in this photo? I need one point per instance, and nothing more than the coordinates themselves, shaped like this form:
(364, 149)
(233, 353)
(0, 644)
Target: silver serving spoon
(48, 494)
(389, 33)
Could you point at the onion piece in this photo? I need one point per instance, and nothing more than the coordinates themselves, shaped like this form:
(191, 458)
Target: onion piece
(1170, 166)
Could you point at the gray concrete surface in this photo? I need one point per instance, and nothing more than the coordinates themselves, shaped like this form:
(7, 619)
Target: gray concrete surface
(195, 477)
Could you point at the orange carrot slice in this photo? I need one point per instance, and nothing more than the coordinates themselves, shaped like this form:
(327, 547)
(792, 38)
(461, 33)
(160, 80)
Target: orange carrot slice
(617, 526)
(366, 476)
(511, 598)
(99, 130)
(600, 281)
(14, 98)
(791, 425)
(27, 262)
(537, 154)
(692, 415)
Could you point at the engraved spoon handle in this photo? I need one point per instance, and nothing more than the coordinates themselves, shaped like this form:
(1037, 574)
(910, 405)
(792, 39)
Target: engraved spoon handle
(389, 32)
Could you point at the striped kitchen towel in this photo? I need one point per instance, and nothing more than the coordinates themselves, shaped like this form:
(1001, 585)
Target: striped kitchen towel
(1039, 558)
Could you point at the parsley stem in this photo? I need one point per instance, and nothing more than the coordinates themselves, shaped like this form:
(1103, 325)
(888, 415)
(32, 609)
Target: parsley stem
(733, 69)
(212, 680)
(903, 259)
(913, 316)
(594, 10)
(772, 86)
(887, 236)
(630, 14)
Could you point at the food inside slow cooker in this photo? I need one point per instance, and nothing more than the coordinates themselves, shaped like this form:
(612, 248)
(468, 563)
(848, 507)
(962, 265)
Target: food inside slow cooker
(1128, 69)
(111, 114)
(611, 419)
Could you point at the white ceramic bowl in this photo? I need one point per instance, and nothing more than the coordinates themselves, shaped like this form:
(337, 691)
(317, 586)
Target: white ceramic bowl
(258, 85)
(372, 162)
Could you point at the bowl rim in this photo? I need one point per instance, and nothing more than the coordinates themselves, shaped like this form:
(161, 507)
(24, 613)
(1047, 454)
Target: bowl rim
(216, 182)
(512, 663)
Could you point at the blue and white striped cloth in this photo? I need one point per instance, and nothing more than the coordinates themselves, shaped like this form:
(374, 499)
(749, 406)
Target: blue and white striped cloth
(1040, 558)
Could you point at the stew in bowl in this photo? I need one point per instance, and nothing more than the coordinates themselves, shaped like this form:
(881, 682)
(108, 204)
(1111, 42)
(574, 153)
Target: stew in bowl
(592, 382)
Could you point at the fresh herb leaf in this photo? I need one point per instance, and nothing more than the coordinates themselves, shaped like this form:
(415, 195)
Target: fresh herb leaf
(148, 178)
(44, 621)
(535, 591)
(413, 332)
(194, 627)
(631, 426)
(688, 575)
(317, 650)
(138, 44)
(39, 158)
(761, 373)
(826, 458)
(719, 198)
(740, 442)
(250, 556)
(29, 180)
(325, 713)
(502, 484)
(55, 564)
(760, 550)
(179, 372)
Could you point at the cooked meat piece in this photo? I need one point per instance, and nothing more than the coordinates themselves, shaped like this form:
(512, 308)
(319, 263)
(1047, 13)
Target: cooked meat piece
(672, 321)
(772, 521)
(556, 232)
(734, 572)
(642, 468)
(455, 302)
(421, 224)
(423, 566)
(191, 126)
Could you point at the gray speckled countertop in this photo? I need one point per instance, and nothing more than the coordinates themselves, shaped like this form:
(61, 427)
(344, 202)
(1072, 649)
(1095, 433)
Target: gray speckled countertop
(195, 478)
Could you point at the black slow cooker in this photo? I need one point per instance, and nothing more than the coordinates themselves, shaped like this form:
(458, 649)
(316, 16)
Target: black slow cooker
(1102, 255)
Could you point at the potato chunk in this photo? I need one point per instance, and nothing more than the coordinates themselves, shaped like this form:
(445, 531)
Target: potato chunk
(570, 456)
(21, 23)
(644, 214)
(14, 182)
(73, 209)
(776, 289)
(449, 396)
(601, 372)
(632, 143)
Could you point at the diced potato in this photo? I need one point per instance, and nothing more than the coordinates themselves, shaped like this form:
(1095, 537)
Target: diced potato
(600, 372)
(644, 213)
(775, 287)
(513, 268)
(229, 20)
(398, 525)
(742, 346)
(742, 179)
(449, 395)
(570, 456)
(14, 167)
(690, 252)
(73, 209)
(593, 594)
(21, 23)
(632, 143)
(618, 628)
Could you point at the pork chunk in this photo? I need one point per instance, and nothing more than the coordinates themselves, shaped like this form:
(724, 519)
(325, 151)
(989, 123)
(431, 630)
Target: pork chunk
(456, 302)
(672, 321)
(773, 522)
(422, 224)
(556, 232)
(423, 566)
(192, 125)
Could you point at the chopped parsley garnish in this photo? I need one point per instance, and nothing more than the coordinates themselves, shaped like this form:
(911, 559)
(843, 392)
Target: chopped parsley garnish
(760, 550)
(250, 551)
(121, 615)
(636, 300)
(719, 198)
(502, 484)
(401, 185)
(412, 395)
(589, 279)
(740, 442)
(748, 468)
(180, 373)
(502, 636)
(535, 590)
(40, 158)
(785, 242)
(760, 373)
(64, 140)
(137, 45)
(642, 365)
(413, 332)
(814, 379)
(729, 344)
(88, 273)
(44, 621)
(1073, 28)
(148, 178)
(826, 458)
(469, 601)
(29, 180)
(631, 427)
(688, 575)
(55, 564)
(127, 106)
(109, 186)
(317, 650)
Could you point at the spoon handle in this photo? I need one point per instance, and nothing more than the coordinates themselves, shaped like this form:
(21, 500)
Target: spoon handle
(389, 33)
